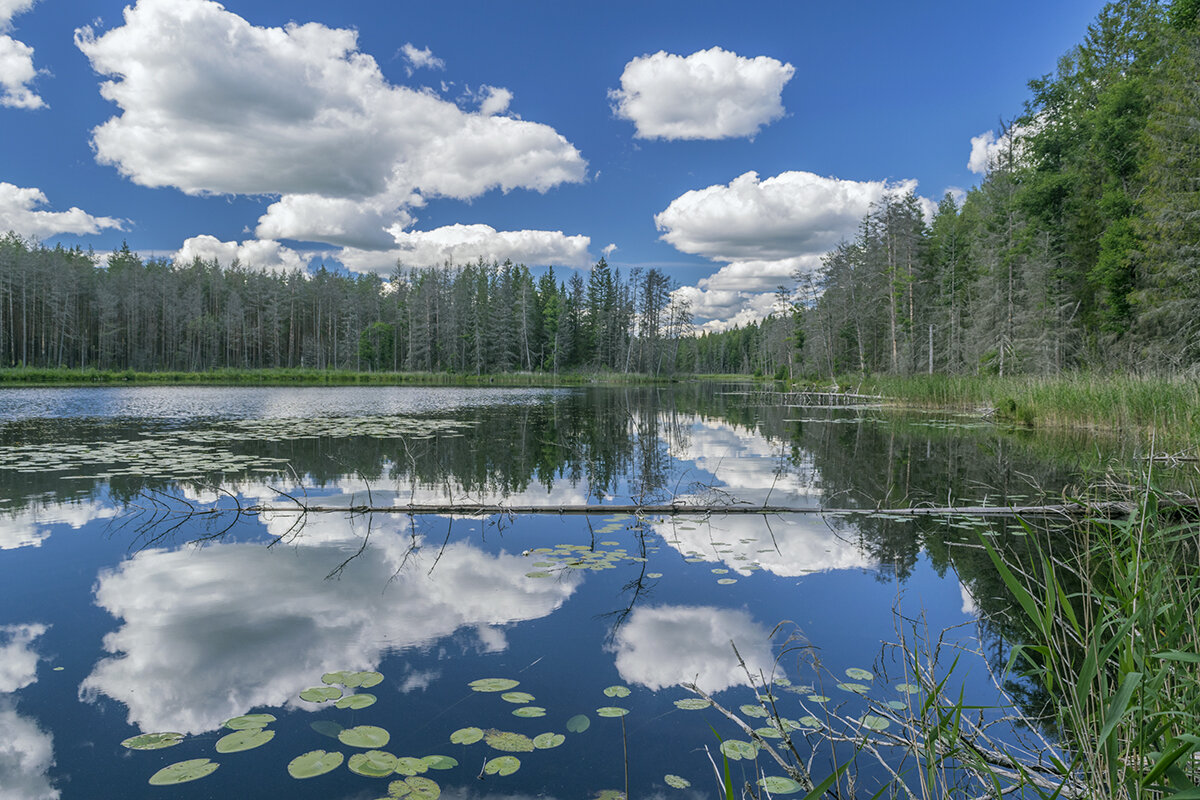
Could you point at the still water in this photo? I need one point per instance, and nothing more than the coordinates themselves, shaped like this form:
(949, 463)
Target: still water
(145, 587)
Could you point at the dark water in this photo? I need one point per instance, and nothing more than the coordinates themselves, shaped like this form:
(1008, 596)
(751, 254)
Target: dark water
(137, 597)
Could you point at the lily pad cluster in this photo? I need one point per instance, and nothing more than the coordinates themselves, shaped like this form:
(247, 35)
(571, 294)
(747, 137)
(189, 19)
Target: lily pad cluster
(566, 557)
(247, 732)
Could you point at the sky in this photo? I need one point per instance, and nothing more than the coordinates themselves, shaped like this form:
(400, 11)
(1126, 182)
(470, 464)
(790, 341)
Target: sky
(727, 144)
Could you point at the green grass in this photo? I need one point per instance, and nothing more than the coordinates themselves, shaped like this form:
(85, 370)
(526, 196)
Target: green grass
(33, 376)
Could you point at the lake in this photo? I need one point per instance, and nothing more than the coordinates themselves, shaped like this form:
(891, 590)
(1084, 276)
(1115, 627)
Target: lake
(159, 575)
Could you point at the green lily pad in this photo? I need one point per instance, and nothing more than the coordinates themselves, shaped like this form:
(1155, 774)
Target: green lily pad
(726, 581)
(314, 763)
(327, 727)
(547, 741)
(769, 733)
(341, 676)
(611, 711)
(440, 762)
(248, 721)
(466, 736)
(676, 782)
(494, 684)
(692, 703)
(153, 741)
(365, 736)
(520, 698)
(184, 771)
(579, 723)
(357, 701)
(859, 674)
(736, 749)
(410, 766)
(244, 740)
(907, 688)
(321, 694)
(654, 575)
(818, 698)
(776, 784)
(529, 711)
(420, 789)
(754, 711)
(782, 680)
(508, 742)
(617, 691)
(504, 765)
(369, 678)
(875, 723)
(810, 721)
(372, 764)
(897, 705)
(857, 688)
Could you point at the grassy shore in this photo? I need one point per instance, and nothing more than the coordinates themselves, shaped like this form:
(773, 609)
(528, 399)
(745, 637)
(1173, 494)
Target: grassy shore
(29, 376)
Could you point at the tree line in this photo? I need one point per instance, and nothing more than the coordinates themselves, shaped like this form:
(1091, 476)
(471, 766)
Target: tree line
(59, 308)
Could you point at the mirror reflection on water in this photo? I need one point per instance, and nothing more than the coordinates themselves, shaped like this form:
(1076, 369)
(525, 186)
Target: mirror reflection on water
(144, 590)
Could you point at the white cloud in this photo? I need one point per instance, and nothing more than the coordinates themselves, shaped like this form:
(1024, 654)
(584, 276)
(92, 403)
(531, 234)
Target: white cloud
(337, 221)
(19, 212)
(209, 634)
(30, 526)
(26, 755)
(988, 149)
(18, 661)
(764, 231)
(212, 104)
(254, 254)
(460, 244)
(16, 61)
(420, 58)
(495, 100)
(711, 94)
(666, 646)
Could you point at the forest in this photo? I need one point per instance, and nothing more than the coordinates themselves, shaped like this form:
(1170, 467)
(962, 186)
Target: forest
(1079, 249)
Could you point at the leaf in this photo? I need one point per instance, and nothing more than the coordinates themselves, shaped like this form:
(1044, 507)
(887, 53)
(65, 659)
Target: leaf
(859, 674)
(504, 765)
(314, 763)
(327, 727)
(372, 764)
(529, 711)
(410, 766)
(493, 684)
(857, 688)
(692, 703)
(579, 723)
(153, 741)
(321, 694)
(754, 711)
(776, 784)
(508, 742)
(520, 698)
(440, 762)
(617, 691)
(466, 735)
(676, 782)
(423, 788)
(247, 721)
(184, 771)
(357, 701)
(547, 741)
(736, 749)
(244, 740)
(611, 711)
(365, 736)
(875, 723)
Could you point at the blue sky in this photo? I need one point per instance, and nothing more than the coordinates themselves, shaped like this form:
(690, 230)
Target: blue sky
(728, 144)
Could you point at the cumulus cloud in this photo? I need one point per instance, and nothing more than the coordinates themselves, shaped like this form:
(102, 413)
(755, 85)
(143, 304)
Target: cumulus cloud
(212, 104)
(420, 58)
(254, 254)
(26, 756)
(989, 149)
(764, 231)
(711, 94)
(209, 634)
(20, 212)
(16, 61)
(671, 645)
(29, 527)
(460, 244)
(336, 220)
(18, 661)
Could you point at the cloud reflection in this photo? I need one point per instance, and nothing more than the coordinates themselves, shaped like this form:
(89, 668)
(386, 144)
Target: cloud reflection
(30, 527)
(26, 751)
(209, 634)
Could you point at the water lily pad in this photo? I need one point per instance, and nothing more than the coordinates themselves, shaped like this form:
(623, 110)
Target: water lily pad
(776, 784)
(579, 723)
(736, 749)
(184, 771)
(494, 684)
(357, 701)
(692, 703)
(781, 680)
(857, 688)
(654, 575)
(327, 727)
(372, 764)
(818, 698)
(440, 762)
(810, 721)
(365, 736)
(321, 694)
(153, 741)
(421, 789)
(875, 723)
(341, 676)
(248, 721)
(504, 765)
(907, 688)
(508, 742)
(769, 733)
(611, 711)
(314, 763)
(244, 740)
(368, 679)
(540, 573)
(529, 711)
(859, 674)
(726, 581)
(897, 705)
(410, 766)
(520, 698)
(466, 735)
(754, 711)
(617, 691)
(676, 782)
(547, 741)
